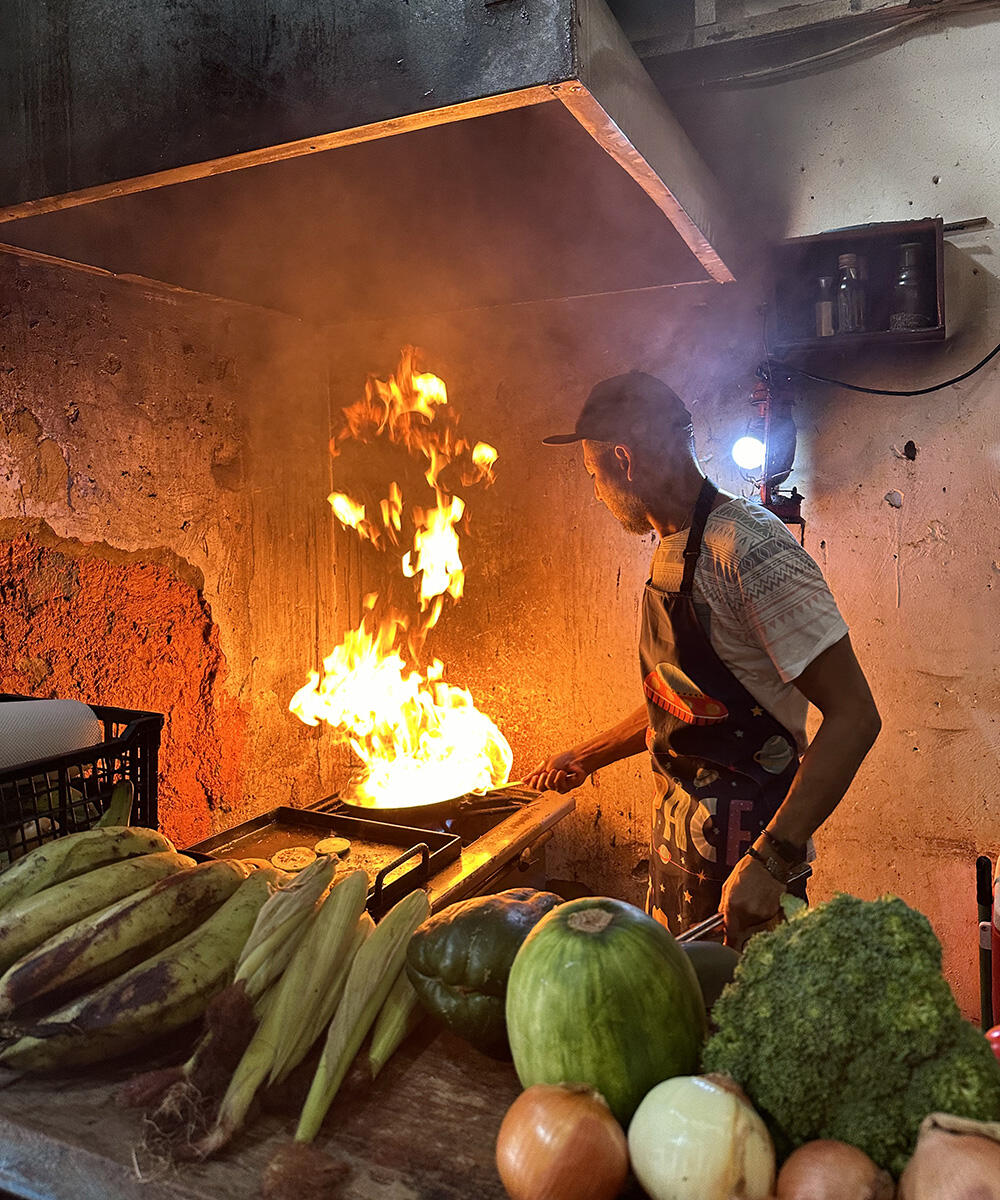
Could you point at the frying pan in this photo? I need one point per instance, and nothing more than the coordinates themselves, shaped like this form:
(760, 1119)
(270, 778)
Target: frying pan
(441, 810)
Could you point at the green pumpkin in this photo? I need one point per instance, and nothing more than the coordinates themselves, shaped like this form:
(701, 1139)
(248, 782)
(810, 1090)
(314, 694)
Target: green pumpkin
(601, 994)
(459, 959)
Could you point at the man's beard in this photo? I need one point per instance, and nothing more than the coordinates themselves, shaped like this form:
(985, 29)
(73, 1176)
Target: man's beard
(630, 513)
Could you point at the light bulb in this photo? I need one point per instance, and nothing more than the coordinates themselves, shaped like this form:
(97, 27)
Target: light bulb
(748, 453)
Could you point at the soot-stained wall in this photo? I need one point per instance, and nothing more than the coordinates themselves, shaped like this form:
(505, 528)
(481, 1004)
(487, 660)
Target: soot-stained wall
(163, 527)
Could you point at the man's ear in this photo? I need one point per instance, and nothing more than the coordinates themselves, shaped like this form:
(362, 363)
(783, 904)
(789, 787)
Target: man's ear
(623, 456)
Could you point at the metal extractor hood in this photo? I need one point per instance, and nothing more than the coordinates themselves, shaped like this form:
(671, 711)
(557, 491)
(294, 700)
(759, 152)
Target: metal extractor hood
(106, 98)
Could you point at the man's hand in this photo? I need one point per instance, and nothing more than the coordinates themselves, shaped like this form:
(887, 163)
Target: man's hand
(566, 771)
(560, 773)
(751, 899)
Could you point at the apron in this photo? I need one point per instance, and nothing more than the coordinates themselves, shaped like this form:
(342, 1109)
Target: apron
(722, 764)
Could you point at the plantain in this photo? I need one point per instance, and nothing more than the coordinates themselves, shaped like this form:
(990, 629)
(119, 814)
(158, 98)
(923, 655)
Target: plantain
(161, 994)
(75, 854)
(119, 809)
(105, 944)
(28, 923)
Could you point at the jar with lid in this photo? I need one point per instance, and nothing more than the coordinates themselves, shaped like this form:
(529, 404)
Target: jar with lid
(913, 303)
(850, 296)
(825, 305)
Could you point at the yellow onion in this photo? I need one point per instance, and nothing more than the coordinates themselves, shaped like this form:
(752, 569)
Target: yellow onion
(561, 1142)
(955, 1159)
(829, 1170)
(694, 1138)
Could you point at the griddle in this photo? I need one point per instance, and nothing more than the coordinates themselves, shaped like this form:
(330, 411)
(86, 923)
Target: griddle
(397, 858)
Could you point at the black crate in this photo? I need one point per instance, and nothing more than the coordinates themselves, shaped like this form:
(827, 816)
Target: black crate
(43, 800)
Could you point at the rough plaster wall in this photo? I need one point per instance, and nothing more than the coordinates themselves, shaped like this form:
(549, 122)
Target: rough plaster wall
(546, 635)
(82, 622)
(162, 496)
(909, 132)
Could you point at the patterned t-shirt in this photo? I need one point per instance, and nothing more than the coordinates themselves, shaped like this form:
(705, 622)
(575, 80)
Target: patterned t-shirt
(763, 601)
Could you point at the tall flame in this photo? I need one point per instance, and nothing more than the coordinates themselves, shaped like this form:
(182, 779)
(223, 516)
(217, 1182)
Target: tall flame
(419, 738)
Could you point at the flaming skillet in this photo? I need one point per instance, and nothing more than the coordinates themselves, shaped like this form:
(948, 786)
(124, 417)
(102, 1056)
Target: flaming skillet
(501, 799)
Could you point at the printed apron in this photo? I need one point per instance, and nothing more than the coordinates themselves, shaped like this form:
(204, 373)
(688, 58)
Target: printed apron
(722, 764)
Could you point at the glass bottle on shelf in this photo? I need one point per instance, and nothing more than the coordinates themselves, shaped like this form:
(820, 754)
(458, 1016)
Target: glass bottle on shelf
(825, 298)
(862, 260)
(912, 305)
(850, 302)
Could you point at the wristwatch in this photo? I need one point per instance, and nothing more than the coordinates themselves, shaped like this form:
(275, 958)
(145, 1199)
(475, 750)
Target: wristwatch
(785, 850)
(778, 870)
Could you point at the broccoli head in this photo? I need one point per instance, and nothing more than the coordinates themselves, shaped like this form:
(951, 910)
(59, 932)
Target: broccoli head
(839, 1024)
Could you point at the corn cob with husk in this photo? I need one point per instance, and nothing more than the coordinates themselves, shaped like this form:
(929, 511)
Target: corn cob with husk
(317, 1017)
(181, 1101)
(373, 972)
(397, 1019)
(289, 1004)
(281, 925)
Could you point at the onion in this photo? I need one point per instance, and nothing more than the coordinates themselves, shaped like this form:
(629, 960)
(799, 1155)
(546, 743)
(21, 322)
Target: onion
(955, 1159)
(829, 1170)
(561, 1142)
(693, 1139)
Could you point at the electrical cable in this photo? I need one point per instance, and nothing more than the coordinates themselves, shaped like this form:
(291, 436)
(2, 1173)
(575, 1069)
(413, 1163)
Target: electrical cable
(782, 70)
(854, 387)
(770, 74)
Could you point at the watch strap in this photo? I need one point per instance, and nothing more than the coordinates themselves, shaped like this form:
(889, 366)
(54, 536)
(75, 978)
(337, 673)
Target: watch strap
(785, 850)
(778, 870)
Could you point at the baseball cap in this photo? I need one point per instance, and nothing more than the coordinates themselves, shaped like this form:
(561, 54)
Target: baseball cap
(623, 407)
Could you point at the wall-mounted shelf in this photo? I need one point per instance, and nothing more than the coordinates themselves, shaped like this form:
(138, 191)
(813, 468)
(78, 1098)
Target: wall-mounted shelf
(799, 263)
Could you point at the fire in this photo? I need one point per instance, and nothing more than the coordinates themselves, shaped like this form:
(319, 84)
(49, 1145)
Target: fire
(347, 511)
(436, 546)
(419, 738)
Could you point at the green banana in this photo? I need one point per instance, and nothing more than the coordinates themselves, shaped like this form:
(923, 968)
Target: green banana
(119, 808)
(25, 925)
(66, 857)
(159, 995)
(106, 944)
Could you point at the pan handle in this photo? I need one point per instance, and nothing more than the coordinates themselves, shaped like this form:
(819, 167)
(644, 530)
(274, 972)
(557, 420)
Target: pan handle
(716, 920)
(423, 871)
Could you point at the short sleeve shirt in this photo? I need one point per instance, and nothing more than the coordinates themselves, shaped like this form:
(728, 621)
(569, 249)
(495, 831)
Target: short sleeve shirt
(762, 600)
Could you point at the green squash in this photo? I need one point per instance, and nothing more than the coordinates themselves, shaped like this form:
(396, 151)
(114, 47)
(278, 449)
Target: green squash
(603, 995)
(459, 959)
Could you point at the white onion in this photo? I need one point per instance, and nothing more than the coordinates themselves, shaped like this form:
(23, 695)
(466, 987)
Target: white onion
(955, 1159)
(693, 1139)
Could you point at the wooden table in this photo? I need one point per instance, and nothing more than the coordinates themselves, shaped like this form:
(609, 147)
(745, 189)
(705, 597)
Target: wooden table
(424, 1130)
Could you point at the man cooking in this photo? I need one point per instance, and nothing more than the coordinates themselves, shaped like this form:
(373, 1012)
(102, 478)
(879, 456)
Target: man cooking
(739, 634)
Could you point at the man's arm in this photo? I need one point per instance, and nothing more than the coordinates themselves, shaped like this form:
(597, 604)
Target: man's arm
(835, 683)
(567, 770)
